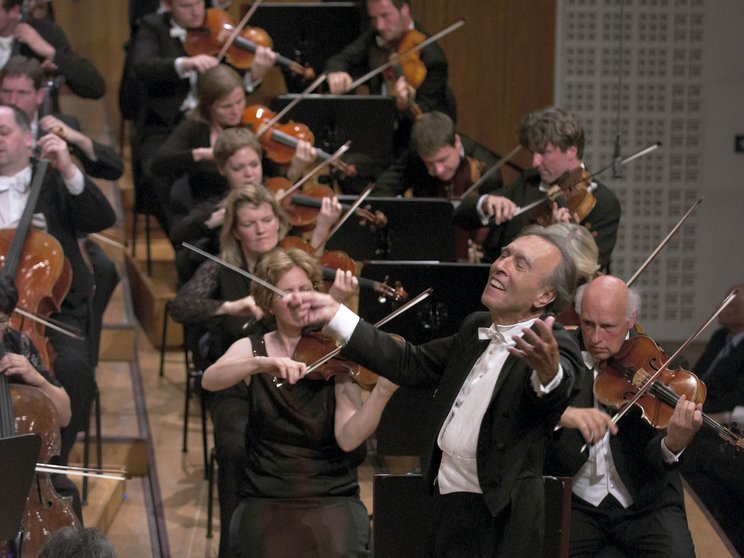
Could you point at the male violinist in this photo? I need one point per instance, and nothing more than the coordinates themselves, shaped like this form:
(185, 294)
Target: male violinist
(502, 382)
(69, 204)
(627, 491)
(391, 20)
(555, 137)
(439, 162)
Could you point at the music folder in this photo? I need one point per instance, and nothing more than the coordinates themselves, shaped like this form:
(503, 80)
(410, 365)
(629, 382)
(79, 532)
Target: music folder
(18, 455)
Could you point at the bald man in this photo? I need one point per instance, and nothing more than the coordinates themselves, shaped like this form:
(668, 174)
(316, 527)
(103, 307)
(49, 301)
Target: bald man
(627, 491)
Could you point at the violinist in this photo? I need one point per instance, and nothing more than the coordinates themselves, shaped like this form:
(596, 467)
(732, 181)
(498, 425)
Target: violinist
(627, 491)
(439, 163)
(300, 495)
(168, 78)
(219, 300)
(46, 41)
(391, 20)
(555, 137)
(69, 204)
(714, 473)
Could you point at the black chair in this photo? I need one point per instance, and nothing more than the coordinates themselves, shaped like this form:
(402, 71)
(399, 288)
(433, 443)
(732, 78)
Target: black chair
(193, 380)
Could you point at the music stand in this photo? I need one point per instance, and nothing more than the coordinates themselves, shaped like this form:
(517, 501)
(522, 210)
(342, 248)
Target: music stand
(296, 30)
(18, 455)
(419, 229)
(457, 291)
(366, 120)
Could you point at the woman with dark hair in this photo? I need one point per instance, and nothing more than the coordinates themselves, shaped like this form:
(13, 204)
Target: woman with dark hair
(300, 495)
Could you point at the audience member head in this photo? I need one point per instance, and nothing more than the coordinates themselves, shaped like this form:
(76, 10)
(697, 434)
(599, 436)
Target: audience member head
(732, 317)
(70, 542)
(188, 14)
(237, 153)
(221, 97)
(390, 18)
(20, 84)
(274, 268)
(556, 138)
(434, 139)
(254, 224)
(607, 310)
(533, 274)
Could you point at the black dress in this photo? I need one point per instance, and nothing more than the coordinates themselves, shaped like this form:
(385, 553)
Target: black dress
(300, 495)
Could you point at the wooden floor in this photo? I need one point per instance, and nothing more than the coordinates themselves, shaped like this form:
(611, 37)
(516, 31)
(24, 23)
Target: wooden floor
(162, 510)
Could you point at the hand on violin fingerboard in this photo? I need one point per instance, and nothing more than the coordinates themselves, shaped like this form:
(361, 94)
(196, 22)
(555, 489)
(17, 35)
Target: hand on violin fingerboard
(263, 60)
(684, 424)
(539, 351)
(563, 215)
(339, 82)
(344, 285)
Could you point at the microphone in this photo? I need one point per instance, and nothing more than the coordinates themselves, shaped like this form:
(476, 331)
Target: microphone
(617, 160)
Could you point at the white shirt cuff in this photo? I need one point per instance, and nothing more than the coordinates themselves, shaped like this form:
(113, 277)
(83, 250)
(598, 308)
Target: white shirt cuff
(479, 208)
(540, 389)
(178, 64)
(667, 455)
(737, 415)
(342, 325)
(249, 84)
(76, 184)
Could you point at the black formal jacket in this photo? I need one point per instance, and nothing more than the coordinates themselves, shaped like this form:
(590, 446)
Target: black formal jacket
(66, 216)
(604, 218)
(514, 431)
(725, 382)
(80, 75)
(636, 451)
(410, 171)
(154, 53)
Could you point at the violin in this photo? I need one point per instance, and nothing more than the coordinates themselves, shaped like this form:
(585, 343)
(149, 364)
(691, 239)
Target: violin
(314, 346)
(28, 410)
(218, 27)
(620, 378)
(407, 64)
(279, 142)
(571, 190)
(310, 200)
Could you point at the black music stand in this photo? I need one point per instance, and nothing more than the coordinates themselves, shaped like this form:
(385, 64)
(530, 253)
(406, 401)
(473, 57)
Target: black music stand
(297, 30)
(419, 229)
(18, 455)
(457, 291)
(365, 120)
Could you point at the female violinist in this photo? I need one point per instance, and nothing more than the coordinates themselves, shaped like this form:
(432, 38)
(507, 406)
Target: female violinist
(300, 495)
(627, 488)
(219, 300)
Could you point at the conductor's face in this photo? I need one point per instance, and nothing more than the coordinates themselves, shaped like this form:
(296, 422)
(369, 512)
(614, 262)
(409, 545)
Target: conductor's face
(517, 283)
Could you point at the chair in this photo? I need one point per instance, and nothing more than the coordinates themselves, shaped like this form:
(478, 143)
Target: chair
(193, 380)
(96, 404)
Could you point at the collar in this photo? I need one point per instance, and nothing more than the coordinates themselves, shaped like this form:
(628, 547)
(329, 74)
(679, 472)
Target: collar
(176, 31)
(18, 182)
(503, 334)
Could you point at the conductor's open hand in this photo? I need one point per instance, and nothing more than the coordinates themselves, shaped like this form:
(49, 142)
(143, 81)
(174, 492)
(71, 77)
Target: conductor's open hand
(539, 350)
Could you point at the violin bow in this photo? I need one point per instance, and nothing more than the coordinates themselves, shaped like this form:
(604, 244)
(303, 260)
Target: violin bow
(394, 314)
(238, 28)
(235, 268)
(49, 324)
(500, 163)
(395, 57)
(664, 242)
(366, 192)
(324, 163)
(642, 390)
(645, 151)
(309, 89)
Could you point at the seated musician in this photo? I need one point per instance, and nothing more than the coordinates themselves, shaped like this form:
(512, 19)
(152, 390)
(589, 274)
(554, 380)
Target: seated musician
(439, 163)
(390, 21)
(167, 76)
(627, 491)
(556, 139)
(69, 204)
(715, 472)
(300, 495)
(253, 223)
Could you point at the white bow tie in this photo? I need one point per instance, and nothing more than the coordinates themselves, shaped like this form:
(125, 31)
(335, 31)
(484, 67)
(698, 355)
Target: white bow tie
(16, 182)
(492, 334)
(178, 33)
